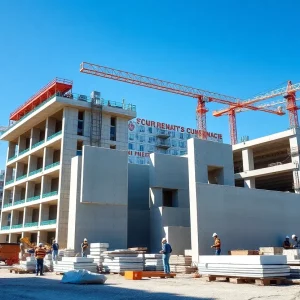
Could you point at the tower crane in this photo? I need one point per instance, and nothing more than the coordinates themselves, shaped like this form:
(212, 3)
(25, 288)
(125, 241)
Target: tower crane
(288, 92)
(202, 96)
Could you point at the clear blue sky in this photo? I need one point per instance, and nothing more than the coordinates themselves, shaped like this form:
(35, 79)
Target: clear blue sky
(239, 48)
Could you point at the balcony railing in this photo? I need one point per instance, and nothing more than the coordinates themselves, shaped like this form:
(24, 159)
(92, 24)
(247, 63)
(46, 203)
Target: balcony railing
(52, 165)
(35, 172)
(21, 177)
(5, 227)
(33, 198)
(9, 182)
(16, 226)
(13, 157)
(24, 151)
(7, 205)
(37, 144)
(46, 195)
(19, 202)
(53, 135)
(32, 224)
(48, 222)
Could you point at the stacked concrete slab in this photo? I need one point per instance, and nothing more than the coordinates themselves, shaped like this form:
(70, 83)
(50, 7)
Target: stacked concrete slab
(75, 263)
(153, 262)
(97, 253)
(292, 256)
(270, 250)
(122, 260)
(249, 266)
(180, 263)
(48, 263)
(66, 253)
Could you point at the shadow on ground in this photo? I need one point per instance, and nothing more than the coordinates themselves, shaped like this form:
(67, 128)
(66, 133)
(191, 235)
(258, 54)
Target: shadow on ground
(37, 288)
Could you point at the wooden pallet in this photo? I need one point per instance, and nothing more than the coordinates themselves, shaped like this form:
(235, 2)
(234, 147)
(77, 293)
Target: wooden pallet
(20, 271)
(257, 281)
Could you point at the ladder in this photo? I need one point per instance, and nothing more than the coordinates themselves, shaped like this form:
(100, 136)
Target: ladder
(96, 120)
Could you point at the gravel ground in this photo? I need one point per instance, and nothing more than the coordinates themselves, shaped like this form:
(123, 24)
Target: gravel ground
(28, 286)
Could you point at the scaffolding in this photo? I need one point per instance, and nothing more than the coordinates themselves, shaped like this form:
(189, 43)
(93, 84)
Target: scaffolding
(96, 120)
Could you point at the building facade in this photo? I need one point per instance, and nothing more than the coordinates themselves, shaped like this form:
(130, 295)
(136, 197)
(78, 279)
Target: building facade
(146, 137)
(50, 129)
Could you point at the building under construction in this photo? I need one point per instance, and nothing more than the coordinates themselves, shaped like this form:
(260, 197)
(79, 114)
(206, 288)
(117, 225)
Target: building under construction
(67, 177)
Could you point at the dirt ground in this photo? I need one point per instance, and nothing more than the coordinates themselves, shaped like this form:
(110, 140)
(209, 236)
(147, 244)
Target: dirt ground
(28, 286)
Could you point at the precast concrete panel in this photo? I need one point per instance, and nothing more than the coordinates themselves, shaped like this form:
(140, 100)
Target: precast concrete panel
(104, 176)
(179, 238)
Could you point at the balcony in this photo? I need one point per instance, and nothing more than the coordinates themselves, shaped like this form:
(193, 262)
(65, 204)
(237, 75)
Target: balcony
(7, 205)
(5, 227)
(162, 133)
(48, 222)
(16, 226)
(52, 165)
(19, 202)
(37, 144)
(13, 157)
(9, 182)
(35, 172)
(46, 195)
(164, 144)
(21, 177)
(32, 224)
(33, 198)
(24, 151)
(54, 135)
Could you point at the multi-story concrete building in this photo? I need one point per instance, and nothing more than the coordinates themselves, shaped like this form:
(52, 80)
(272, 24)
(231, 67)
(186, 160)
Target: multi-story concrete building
(146, 137)
(50, 129)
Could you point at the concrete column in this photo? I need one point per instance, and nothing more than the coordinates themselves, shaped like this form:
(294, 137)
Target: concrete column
(50, 127)
(294, 150)
(48, 156)
(46, 184)
(248, 165)
(35, 136)
(32, 163)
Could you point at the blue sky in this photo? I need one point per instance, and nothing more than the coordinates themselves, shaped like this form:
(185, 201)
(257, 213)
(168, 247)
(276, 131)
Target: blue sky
(234, 47)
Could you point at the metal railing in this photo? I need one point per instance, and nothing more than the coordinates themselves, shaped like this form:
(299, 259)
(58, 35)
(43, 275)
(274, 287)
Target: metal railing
(7, 205)
(33, 198)
(35, 171)
(19, 202)
(16, 226)
(37, 144)
(32, 224)
(48, 222)
(54, 135)
(52, 165)
(13, 157)
(5, 227)
(46, 195)
(21, 177)
(9, 182)
(23, 152)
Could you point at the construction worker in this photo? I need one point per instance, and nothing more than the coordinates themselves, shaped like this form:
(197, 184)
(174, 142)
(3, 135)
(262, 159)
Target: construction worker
(40, 253)
(55, 248)
(84, 248)
(166, 251)
(296, 242)
(22, 250)
(217, 244)
(286, 243)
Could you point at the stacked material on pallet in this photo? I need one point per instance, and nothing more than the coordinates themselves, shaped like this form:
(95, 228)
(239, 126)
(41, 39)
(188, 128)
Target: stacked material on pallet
(292, 255)
(139, 249)
(96, 252)
(48, 263)
(295, 272)
(28, 265)
(270, 251)
(188, 252)
(65, 253)
(249, 266)
(153, 262)
(122, 260)
(75, 263)
(180, 263)
(243, 252)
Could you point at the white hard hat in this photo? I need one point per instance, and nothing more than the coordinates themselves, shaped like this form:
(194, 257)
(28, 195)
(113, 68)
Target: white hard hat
(293, 236)
(163, 240)
(214, 235)
(287, 237)
(85, 240)
(41, 244)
